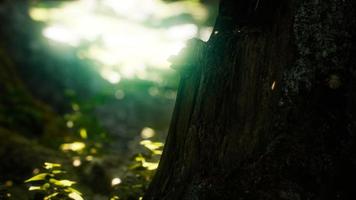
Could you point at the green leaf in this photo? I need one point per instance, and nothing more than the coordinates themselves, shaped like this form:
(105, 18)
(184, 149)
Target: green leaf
(48, 165)
(38, 177)
(58, 172)
(150, 165)
(46, 186)
(83, 133)
(70, 190)
(51, 196)
(151, 145)
(35, 188)
(157, 152)
(75, 196)
(62, 183)
(140, 158)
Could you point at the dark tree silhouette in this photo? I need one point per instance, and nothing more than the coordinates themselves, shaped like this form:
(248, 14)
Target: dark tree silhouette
(266, 108)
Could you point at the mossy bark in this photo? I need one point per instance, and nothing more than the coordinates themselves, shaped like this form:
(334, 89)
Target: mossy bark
(270, 111)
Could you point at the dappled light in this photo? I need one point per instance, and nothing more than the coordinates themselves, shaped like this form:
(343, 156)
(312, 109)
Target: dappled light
(76, 162)
(75, 146)
(115, 181)
(87, 93)
(126, 38)
(147, 133)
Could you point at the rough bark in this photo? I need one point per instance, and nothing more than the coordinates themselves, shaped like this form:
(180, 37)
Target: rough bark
(269, 112)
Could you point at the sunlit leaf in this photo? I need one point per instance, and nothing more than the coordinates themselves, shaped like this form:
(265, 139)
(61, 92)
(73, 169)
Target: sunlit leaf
(83, 133)
(150, 165)
(62, 183)
(72, 190)
(38, 177)
(75, 196)
(46, 186)
(35, 188)
(157, 152)
(49, 165)
(58, 171)
(51, 196)
(151, 145)
(139, 158)
(75, 146)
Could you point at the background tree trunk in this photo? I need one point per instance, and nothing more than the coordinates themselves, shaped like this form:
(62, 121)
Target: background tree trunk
(269, 113)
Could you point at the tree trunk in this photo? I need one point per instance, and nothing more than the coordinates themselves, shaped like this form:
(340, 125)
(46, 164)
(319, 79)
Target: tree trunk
(269, 112)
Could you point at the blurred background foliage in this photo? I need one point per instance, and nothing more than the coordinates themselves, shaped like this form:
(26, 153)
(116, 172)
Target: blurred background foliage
(87, 84)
